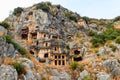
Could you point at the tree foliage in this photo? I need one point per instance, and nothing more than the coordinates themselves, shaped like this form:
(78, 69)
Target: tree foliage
(43, 6)
(109, 34)
(117, 18)
(17, 11)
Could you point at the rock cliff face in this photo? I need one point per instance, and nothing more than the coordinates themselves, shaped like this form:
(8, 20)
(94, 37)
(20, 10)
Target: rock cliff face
(53, 38)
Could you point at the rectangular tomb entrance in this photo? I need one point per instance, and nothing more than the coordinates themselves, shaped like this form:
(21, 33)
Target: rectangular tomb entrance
(59, 60)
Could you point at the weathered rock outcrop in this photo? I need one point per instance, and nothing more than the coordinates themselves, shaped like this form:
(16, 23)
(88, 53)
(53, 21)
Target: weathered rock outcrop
(103, 76)
(8, 73)
(6, 49)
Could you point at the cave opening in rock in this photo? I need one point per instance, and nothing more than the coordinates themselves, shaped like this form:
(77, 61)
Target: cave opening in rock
(31, 52)
(76, 52)
(46, 55)
(78, 58)
(34, 35)
(24, 36)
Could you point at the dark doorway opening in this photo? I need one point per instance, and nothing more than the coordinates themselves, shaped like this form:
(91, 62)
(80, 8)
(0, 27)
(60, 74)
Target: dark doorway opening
(76, 52)
(34, 35)
(46, 55)
(55, 62)
(78, 58)
(31, 52)
(24, 36)
(63, 62)
(59, 62)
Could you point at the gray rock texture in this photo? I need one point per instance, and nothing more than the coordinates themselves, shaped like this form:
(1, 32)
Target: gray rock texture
(8, 73)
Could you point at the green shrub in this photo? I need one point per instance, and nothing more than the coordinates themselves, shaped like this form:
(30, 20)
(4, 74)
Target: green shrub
(17, 11)
(5, 24)
(19, 68)
(71, 16)
(43, 6)
(88, 78)
(98, 39)
(117, 18)
(117, 40)
(16, 45)
(67, 47)
(91, 33)
(109, 25)
(73, 65)
(109, 34)
(87, 19)
(113, 47)
(80, 68)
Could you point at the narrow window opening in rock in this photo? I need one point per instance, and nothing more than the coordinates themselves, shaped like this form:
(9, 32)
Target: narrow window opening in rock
(44, 35)
(37, 26)
(37, 43)
(59, 57)
(30, 13)
(63, 62)
(46, 44)
(34, 35)
(62, 20)
(55, 49)
(55, 37)
(55, 62)
(62, 57)
(76, 52)
(24, 36)
(31, 52)
(78, 59)
(59, 62)
(46, 55)
(55, 57)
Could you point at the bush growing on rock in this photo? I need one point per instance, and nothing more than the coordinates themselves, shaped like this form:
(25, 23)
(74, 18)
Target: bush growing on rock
(71, 16)
(91, 33)
(109, 34)
(117, 40)
(73, 65)
(43, 6)
(17, 11)
(113, 47)
(117, 18)
(19, 68)
(5, 24)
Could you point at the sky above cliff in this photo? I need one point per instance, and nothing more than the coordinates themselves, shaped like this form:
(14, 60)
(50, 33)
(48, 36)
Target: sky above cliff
(91, 8)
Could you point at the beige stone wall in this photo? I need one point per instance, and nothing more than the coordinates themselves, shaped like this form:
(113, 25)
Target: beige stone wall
(81, 23)
(117, 25)
(42, 52)
(1, 33)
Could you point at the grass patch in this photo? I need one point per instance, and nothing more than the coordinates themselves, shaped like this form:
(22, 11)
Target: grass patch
(16, 45)
(20, 68)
